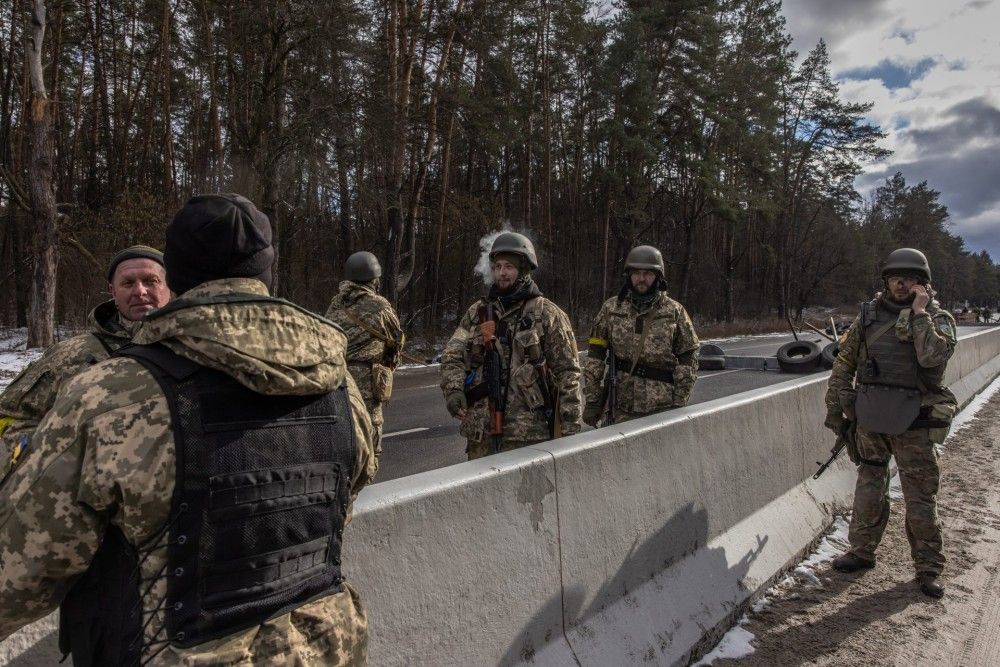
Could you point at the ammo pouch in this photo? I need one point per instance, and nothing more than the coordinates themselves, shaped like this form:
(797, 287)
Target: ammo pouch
(381, 382)
(884, 409)
(524, 381)
(644, 371)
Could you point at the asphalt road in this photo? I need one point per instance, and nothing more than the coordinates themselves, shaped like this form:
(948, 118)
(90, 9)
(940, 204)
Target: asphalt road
(420, 435)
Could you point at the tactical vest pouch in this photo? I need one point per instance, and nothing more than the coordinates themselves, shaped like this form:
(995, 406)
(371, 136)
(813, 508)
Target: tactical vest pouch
(885, 409)
(525, 381)
(381, 382)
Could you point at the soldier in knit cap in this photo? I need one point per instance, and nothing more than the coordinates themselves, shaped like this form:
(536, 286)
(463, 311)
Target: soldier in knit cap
(187, 498)
(137, 284)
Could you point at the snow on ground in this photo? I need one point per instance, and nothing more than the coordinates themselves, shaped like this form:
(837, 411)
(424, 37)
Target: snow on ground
(738, 642)
(13, 356)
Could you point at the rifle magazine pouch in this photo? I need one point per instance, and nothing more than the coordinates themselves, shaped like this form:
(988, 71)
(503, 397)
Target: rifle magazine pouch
(887, 410)
(381, 382)
(525, 383)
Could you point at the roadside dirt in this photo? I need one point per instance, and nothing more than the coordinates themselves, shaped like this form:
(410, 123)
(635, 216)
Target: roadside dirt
(880, 617)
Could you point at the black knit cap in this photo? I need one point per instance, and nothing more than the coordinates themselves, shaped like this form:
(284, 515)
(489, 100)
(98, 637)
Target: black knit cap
(217, 236)
(133, 252)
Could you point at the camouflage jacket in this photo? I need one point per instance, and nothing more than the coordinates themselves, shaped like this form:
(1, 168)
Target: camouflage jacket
(670, 343)
(934, 340)
(31, 394)
(105, 454)
(364, 348)
(524, 420)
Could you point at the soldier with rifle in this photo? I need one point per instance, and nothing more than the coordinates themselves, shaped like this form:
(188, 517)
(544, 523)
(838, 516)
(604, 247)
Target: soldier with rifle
(511, 371)
(643, 355)
(888, 383)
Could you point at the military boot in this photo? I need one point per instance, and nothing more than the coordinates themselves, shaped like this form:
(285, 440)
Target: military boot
(929, 585)
(851, 563)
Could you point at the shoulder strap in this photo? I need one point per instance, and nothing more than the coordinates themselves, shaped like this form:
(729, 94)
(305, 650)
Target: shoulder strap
(881, 331)
(162, 357)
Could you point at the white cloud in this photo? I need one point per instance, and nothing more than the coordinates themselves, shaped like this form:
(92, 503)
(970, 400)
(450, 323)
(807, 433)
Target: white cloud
(943, 116)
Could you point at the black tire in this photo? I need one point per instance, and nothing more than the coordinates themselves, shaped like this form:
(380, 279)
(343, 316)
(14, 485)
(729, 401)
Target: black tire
(800, 356)
(711, 362)
(830, 353)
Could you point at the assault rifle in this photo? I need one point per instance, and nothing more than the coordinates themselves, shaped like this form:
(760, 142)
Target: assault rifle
(846, 439)
(492, 370)
(610, 386)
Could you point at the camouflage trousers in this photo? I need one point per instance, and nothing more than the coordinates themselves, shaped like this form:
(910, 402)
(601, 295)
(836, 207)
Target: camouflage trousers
(375, 412)
(477, 449)
(920, 476)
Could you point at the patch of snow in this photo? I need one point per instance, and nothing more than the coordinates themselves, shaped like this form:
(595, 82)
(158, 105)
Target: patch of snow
(737, 643)
(963, 418)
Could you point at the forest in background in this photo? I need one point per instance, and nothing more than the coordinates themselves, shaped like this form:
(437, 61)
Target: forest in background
(412, 128)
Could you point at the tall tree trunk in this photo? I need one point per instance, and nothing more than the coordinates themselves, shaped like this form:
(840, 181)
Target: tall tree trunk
(41, 308)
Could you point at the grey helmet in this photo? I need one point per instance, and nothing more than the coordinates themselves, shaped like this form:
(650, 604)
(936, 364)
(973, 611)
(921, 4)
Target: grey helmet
(512, 243)
(645, 257)
(362, 267)
(907, 260)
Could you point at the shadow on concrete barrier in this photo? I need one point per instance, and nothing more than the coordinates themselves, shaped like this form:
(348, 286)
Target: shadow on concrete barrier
(639, 543)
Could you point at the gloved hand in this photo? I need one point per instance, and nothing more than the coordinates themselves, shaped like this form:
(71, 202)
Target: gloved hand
(457, 404)
(834, 421)
(592, 413)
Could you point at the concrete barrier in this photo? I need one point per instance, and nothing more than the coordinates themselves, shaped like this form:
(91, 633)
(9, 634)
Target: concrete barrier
(633, 544)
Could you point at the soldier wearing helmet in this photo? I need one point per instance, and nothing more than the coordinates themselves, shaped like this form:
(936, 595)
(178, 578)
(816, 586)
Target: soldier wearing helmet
(511, 371)
(888, 385)
(374, 336)
(651, 340)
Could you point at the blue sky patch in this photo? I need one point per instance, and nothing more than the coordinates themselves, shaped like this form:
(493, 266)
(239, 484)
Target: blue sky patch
(892, 75)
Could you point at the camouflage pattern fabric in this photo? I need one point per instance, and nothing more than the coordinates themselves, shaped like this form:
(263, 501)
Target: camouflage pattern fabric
(522, 424)
(105, 455)
(919, 474)
(934, 339)
(370, 360)
(31, 394)
(671, 343)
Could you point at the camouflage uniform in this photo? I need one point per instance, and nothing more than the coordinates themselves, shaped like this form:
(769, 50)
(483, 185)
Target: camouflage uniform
(370, 359)
(524, 420)
(105, 455)
(670, 344)
(932, 337)
(31, 394)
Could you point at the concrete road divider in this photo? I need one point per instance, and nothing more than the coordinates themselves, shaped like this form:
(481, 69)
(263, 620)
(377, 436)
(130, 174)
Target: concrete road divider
(639, 543)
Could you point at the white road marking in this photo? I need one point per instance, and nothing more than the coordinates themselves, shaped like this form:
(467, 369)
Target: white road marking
(406, 432)
(423, 386)
(715, 375)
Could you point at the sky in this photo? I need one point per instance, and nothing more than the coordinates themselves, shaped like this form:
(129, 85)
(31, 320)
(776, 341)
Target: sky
(932, 69)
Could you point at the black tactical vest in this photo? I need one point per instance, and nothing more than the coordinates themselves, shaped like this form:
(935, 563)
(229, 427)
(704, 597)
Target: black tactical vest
(886, 360)
(257, 516)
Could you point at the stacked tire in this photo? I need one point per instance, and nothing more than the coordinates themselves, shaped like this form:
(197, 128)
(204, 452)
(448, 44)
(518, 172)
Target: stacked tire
(799, 356)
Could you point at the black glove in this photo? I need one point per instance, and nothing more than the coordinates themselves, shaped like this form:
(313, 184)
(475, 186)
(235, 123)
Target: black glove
(456, 403)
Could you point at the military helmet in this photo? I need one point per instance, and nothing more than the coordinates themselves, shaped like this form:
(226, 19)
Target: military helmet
(512, 243)
(362, 267)
(907, 260)
(645, 257)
